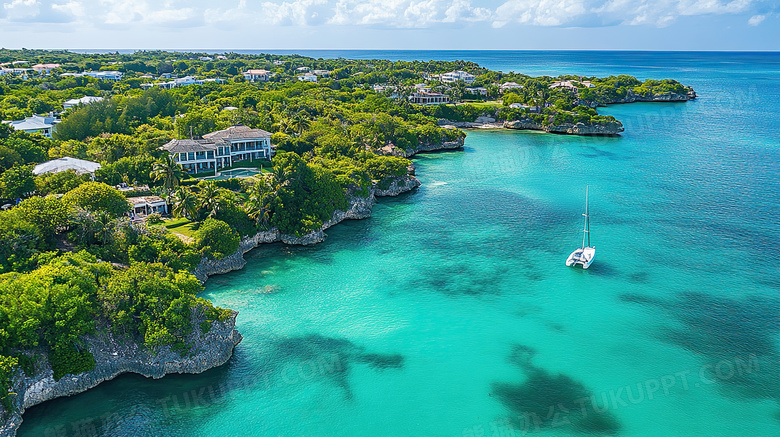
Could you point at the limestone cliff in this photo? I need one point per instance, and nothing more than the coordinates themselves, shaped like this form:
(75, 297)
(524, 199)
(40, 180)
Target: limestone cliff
(115, 356)
(609, 128)
(359, 208)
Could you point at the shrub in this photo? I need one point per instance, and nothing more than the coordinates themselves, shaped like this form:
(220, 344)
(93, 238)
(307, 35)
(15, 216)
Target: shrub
(216, 239)
(96, 197)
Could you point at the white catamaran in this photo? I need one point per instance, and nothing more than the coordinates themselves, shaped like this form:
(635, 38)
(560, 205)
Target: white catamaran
(585, 254)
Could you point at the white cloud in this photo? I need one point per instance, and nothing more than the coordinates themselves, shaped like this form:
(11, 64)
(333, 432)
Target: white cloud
(232, 14)
(755, 20)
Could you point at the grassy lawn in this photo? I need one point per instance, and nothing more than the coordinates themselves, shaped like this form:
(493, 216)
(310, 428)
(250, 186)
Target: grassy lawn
(182, 226)
(485, 104)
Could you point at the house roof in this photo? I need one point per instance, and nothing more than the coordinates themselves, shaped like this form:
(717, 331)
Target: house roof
(36, 122)
(86, 100)
(239, 132)
(257, 72)
(80, 166)
(187, 145)
(145, 200)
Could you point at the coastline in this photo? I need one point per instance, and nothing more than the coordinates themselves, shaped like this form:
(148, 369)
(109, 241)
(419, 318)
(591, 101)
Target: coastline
(114, 357)
(359, 208)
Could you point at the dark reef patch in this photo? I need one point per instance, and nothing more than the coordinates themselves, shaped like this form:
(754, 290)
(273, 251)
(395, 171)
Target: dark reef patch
(313, 356)
(737, 338)
(554, 401)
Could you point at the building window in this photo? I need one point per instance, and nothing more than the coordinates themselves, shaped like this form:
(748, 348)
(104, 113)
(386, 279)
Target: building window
(210, 155)
(191, 156)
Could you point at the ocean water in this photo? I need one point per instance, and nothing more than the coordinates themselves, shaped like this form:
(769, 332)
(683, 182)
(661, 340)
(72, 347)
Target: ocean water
(450, 312)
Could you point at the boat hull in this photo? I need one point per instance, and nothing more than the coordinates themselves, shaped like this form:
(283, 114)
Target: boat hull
(581, 257)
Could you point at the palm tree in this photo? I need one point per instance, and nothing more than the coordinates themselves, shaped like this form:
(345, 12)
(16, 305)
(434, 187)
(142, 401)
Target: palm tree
(208, 197)
(105, 225)
(258, 205)
(185, 203)
(169, 171)
(300, 122)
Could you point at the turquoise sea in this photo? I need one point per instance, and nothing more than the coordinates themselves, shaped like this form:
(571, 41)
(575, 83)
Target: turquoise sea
(450, 312)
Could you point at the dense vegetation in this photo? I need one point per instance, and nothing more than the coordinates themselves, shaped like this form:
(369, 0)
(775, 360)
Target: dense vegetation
(61, 232)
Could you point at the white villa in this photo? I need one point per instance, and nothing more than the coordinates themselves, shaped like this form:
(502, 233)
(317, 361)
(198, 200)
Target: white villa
(571, 84)
(182, 81)
(86, 100)
(477, 91)
(221, 148)
(506, 86)
(308, 77)
(454, 76)
(145, 205)
(428, 98)
(35, 125)
(323, 73)
(257, 75)
(104, 75)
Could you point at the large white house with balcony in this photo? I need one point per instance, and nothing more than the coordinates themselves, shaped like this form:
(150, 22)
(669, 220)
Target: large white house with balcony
(221, 149)
(454, 76)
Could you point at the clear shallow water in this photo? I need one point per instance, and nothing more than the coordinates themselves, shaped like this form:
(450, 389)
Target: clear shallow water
(449, 312)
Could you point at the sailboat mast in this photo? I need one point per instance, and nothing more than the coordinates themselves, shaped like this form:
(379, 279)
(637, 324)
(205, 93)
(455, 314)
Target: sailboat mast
(586, 231)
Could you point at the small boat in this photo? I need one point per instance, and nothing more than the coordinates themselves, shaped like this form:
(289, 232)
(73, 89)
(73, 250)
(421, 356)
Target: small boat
(584, 255)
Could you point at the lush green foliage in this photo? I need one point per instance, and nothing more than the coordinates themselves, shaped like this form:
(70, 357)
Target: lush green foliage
(216, 239)
(97, 197)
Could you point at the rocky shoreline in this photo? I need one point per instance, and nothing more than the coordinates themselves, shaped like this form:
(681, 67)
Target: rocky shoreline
(594, 129)
(115, 356)
(359, 208)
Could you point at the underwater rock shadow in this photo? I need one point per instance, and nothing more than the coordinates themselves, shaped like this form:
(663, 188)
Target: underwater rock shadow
(732, 333)
(550, 401)
(298, 360)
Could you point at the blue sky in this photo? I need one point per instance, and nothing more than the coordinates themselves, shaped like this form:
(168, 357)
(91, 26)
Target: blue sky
(392, 24)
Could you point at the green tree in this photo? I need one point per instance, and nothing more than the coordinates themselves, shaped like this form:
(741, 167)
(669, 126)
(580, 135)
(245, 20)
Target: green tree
(169, 171)
(185, 204)
(97, 197)
(216, 239)
(16, 182)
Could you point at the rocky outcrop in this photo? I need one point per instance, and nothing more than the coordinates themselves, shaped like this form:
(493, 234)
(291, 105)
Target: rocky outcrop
(632, 97)
(524, 124)
(359, 208)
(609, 128)
(481, 122)
(115, 356)
(392, 150)
(394, 186)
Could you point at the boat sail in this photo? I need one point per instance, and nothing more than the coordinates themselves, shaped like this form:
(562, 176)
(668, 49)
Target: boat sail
(584, 255)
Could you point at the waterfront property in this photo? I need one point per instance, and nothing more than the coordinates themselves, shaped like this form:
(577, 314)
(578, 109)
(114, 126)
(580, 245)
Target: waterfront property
(428, 98)
(571, 84)
(221, 149)
(86, 100)
(35, 124)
